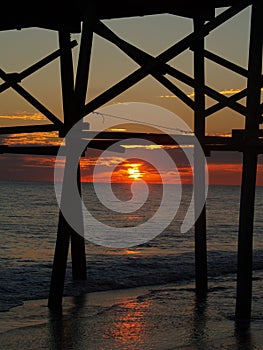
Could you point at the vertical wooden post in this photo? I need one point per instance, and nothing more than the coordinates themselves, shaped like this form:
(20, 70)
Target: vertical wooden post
(82, 74)
(78, 254)
(65, 231)
(81, 85)
(71, 116)
(59, 264)
(247, 200)
(199, 165)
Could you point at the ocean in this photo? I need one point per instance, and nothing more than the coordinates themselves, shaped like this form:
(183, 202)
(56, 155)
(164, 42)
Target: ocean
(29, 218)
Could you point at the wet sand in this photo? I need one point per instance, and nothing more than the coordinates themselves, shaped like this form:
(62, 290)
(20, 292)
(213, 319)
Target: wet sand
(156, 317)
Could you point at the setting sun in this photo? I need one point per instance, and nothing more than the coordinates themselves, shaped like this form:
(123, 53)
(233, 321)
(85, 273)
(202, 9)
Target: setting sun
(134, 172)
(131, 170)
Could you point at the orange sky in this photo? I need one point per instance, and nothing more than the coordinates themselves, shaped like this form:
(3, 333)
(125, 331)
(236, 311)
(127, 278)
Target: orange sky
(39, 168)
(223, 167)
(24, 47)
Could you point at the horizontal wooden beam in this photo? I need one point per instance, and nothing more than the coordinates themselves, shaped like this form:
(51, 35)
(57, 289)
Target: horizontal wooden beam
(28, 129)
(53, 150)
(102, 145)
(34, 150)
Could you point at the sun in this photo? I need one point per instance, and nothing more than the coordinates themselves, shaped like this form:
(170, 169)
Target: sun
(134, 172)
(129, 171)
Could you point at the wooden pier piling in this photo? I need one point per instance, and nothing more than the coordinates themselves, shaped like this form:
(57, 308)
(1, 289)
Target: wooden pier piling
(249, 172)
(66, 233)
(201, 281)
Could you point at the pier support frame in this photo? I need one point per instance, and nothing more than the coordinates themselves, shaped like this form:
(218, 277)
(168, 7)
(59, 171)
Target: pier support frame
(75, 107)
(73, 101)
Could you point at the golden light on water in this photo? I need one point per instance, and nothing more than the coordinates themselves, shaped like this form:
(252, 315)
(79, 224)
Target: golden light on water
(132, 325)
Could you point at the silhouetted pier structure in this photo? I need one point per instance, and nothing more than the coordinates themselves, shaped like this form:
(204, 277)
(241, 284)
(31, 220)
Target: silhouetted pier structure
(85, 17)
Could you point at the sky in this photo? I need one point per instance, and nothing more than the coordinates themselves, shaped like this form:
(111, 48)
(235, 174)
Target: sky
(153, 34)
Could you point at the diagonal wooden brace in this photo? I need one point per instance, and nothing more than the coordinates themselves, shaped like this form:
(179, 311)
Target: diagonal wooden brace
(145, 59)
(18, 77)
(142, 58)
(164, 57)
(31, 99)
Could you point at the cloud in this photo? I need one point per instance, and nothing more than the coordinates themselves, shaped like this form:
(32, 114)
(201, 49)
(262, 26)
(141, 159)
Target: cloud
(149, 147)
(223, 92)
(38, 138)
(101, 161)
(26, 168)
(39, 162)
(24, 116)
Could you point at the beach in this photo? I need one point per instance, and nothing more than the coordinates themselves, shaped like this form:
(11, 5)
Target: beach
(136, 298)
(158, 317)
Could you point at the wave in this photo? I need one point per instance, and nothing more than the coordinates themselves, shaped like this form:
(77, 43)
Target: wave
(109, 272)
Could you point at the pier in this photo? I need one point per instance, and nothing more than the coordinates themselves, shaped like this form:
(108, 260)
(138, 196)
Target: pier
(86, 18)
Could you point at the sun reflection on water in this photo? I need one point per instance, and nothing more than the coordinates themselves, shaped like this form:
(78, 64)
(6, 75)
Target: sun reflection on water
(132, 324)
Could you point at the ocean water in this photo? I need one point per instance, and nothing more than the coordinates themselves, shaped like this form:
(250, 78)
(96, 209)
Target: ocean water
(29, 218)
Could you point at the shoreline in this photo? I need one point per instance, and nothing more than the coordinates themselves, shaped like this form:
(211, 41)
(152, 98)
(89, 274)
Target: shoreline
(39, 307)
(172, 269)
(157, 317)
